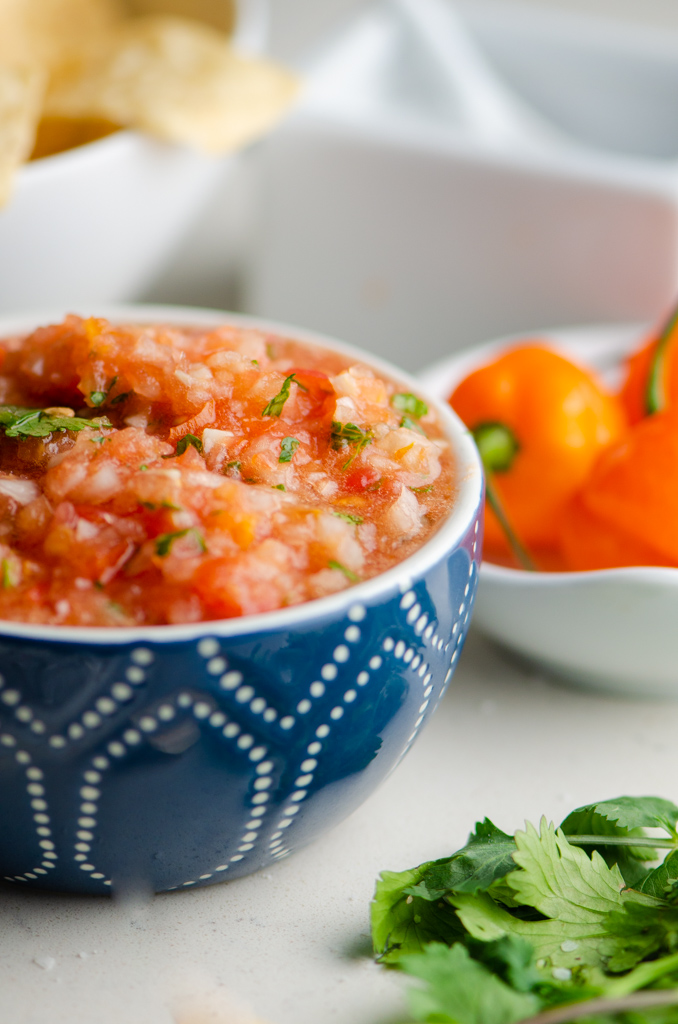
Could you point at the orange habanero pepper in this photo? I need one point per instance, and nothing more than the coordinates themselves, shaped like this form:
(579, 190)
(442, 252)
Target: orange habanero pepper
(540, 423)
(626, 514)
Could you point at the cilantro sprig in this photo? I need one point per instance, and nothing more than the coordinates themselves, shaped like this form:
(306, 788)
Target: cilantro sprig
(409, 403)
(288, 447)
(17, 421)
(183, 443)
(164, 542)
(277, 403)
(545, 925)
(345, 435)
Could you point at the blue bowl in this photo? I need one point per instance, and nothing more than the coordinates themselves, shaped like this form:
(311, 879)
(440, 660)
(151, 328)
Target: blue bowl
(177, 756)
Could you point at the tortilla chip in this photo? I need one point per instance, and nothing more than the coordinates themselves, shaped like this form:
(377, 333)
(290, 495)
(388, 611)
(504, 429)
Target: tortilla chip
(21, 93)
(57, 134)
(45, 33)
(219, 14)
(176, 79)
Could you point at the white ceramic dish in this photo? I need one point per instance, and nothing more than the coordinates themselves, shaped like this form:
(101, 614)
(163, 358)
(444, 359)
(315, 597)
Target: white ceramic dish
(430, 211)
(613, 629)
(98, 223)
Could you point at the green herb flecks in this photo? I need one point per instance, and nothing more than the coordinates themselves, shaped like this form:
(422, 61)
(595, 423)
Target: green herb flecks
(288, 447)
(154, 506)
(409, 403)
(17, 421)
(422, 490)
(277, 403)
(349, 517)
(345, 435)
(348, 573)
(183, 443)
(410, 424)
(232, 469)
(164, 542)
(278, 487)
(98, 398)
(545, 926)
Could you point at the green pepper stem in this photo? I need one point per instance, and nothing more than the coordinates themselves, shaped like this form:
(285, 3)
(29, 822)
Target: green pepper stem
(495, 504)
(655, 394)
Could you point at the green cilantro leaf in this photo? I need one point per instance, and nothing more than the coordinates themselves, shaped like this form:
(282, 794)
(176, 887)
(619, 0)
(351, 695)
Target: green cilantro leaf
(486, 858)
(536, 917)
(623, 817)
(422, 490)
(355, 520)
(409, 403)
(547, 863)
(279, 487)
(403, 923)
(164, 542)
(458, 989)
(624, 812)
(232, 469)
(186, 440)
(344, 435)
(99, 397)
(277, 403)
(288, 447)
(512, 959)
(661, 882)
(573, 895)
(17, 421)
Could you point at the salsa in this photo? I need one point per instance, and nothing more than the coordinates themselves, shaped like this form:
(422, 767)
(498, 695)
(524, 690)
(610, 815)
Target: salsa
(155, 474)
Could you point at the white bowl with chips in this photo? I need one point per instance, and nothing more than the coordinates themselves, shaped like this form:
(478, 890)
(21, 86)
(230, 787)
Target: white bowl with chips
(98, 223)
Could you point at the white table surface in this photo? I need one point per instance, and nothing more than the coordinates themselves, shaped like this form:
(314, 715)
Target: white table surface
(290, 945)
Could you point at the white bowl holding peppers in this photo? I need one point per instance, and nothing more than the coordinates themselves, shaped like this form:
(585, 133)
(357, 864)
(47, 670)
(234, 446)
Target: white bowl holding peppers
(573, 608)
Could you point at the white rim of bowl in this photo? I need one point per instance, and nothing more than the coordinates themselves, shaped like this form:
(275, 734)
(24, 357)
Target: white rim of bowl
(450, 532)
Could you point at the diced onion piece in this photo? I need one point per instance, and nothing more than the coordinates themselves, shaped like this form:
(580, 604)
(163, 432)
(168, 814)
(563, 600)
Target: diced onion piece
(21, 491)
(404, 515)
(212, 438)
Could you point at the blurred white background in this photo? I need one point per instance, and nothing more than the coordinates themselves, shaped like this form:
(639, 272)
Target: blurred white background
(296, 23)
(378, 214)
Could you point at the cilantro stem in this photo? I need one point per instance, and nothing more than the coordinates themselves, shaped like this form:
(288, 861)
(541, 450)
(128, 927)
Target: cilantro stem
(660, 844)
(591, 1007)
(642, 976)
